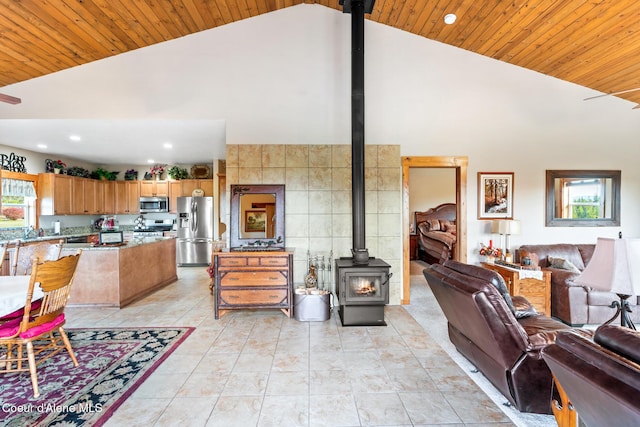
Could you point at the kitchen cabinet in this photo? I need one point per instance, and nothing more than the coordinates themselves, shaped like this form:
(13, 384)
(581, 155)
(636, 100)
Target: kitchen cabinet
(185, 187)
(55, 194)
(154, 188)
(127, 197)
(253, 280)
(88, 196)
(109, 197)
(175, 191)
(188, 185)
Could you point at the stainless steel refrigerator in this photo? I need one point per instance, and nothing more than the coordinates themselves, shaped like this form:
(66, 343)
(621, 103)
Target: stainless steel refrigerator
(195, 231)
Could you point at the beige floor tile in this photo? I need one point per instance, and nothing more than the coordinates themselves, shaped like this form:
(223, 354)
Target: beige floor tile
(333, 410)
(288, 383)
(163, 386)
(191, 411)
(290, 411)
(236, 411)
(138, 412)
(379, 409)
(260, 368)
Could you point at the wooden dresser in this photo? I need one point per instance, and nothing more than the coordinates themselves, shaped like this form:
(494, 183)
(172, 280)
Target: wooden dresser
(538, 292)
(250, 280)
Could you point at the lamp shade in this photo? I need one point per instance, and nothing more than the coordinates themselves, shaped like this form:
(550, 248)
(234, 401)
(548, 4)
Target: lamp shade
(614, 267)
(495, 226)
(509, 226)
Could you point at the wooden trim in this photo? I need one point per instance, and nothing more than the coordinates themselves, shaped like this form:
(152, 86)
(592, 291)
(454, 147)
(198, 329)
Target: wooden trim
(460, 163)
(18, 175)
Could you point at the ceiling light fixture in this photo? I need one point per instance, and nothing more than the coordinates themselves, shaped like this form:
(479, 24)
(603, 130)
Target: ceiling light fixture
(167, 145)
(151, 161)
(42, 146)
(450, 18)
(75, 138)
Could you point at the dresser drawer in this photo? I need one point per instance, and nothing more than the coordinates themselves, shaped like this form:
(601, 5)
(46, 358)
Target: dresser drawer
(253, 278)
(253, 297)
(225, 261)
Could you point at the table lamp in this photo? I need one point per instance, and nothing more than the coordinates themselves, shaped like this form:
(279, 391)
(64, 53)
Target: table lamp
(615, 267)
(508, 227)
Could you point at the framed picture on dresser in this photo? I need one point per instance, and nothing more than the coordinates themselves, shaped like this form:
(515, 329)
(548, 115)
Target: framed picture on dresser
(495, 195)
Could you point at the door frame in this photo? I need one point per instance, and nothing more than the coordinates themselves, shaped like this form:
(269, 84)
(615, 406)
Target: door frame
(460, 164)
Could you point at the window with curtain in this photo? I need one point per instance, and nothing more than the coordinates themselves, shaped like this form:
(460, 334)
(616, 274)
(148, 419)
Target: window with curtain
(18, 203)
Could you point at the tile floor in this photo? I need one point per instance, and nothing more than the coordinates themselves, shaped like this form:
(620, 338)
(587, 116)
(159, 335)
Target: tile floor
(260, 368)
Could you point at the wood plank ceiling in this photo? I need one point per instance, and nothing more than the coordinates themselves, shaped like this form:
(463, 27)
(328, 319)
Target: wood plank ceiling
(593, 43)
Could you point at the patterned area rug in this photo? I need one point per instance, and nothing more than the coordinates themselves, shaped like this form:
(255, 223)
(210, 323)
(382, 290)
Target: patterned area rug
(113, 364)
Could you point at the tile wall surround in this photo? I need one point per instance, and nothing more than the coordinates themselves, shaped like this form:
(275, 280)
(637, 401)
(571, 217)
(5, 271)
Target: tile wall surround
(318, 199)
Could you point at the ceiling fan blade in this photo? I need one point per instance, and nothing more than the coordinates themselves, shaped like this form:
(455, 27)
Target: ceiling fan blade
(612, 94)
(9, 99)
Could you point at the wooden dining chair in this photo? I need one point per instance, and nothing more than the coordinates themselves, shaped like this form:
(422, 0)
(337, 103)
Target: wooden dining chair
(35, 331)
(25, 254)
(3, 254)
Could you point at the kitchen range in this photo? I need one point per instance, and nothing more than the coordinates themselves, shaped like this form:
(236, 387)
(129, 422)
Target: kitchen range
(151, 227)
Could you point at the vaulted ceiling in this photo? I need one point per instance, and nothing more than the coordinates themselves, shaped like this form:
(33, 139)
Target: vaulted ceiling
(593, 43)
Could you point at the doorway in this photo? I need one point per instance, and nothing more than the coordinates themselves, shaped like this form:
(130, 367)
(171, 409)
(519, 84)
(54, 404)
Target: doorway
(460, 165)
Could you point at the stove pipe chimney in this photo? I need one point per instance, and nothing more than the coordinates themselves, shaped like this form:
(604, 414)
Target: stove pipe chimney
(357, 8)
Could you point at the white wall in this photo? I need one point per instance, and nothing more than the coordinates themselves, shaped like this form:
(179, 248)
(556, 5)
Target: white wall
(284, 78)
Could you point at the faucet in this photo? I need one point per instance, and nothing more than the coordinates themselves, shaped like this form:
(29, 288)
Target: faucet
(28, 231)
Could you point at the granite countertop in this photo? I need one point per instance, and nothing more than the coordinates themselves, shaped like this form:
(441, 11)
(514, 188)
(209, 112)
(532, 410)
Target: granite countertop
(128, 244)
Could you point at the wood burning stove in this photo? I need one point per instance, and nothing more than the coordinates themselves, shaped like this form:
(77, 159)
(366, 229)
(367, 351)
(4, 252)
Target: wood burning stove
(363, 291)
(362, 281)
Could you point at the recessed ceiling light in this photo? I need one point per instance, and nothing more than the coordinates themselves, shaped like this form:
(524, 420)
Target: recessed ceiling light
(75, 138)
(450, 18)
(151, 161)
(42, 145)
(167, 145)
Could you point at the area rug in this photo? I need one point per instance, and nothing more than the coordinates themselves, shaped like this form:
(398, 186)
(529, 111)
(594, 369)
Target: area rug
(113, 364)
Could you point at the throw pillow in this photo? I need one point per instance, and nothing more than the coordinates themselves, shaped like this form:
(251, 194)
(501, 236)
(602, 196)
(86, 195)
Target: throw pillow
(449, 227)
(434, 224)
(563, 264)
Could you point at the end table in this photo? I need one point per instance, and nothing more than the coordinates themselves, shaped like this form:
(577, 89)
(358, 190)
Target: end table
(537, 291)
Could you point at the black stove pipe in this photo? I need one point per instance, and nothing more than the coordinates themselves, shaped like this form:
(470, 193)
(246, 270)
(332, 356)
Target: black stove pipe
(357, 10)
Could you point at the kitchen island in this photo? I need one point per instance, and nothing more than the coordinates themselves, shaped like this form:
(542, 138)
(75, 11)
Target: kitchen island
(114, 276)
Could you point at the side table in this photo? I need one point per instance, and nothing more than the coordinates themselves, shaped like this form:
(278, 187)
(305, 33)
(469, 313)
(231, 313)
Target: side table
(413, 247)
(538, 292)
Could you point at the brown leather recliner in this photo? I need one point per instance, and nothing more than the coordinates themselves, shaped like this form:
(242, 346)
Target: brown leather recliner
(501, 335)
(575, 304)
(601, 377)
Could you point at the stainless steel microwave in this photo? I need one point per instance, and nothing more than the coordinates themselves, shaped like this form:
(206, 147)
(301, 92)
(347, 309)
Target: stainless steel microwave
(154, 204)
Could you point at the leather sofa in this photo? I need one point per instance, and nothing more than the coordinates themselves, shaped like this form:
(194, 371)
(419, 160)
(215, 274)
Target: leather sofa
(601, 376)
(501, 335)
(574, 304)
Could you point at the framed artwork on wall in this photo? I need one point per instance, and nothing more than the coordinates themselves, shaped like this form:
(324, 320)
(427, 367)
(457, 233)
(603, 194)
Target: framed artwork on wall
(254, 221)
(495, 195)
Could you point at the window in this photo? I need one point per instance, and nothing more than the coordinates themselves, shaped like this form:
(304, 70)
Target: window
(585, 198)
(18, 204)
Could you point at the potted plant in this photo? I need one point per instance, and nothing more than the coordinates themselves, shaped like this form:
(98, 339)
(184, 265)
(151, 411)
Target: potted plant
(130, 175)
(104, 175)
(59, 166)
(156, 171)
(176, 172)
(78, 171)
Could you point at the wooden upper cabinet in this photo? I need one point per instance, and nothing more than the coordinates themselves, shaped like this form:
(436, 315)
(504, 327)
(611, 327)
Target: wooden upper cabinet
(127, 197)
(108, 197)
(175, 191)
(154, 188)
(188, 185)
(185, 187)
(55, 194)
